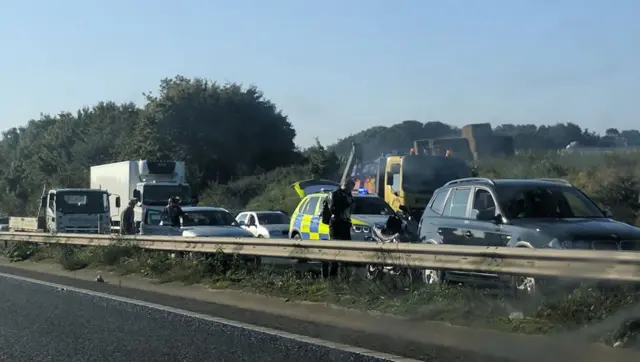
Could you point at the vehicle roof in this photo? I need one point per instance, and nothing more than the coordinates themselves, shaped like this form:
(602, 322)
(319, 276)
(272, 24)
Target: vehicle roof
(530, 182)
(265, 212)
(202, 208)
(513, 182)
(354, 195)
(78, 189)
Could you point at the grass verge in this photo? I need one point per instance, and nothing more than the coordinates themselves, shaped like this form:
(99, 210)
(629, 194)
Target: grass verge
(555, 312)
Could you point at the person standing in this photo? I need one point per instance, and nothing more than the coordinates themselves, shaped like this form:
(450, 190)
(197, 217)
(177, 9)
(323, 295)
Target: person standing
(173, 212)
(341, 204)
(127, 223)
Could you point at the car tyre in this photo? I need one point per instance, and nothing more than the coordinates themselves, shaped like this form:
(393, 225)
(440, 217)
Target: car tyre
(431, 276)
(524, 286)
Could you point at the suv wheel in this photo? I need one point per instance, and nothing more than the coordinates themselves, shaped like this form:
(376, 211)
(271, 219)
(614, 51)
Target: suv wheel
(524, 286)
(431, 276)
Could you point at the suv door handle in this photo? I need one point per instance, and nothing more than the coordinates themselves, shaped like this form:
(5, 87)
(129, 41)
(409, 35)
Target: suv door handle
(468, 234)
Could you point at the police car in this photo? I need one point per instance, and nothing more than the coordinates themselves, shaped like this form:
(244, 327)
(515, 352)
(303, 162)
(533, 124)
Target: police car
(370, 210)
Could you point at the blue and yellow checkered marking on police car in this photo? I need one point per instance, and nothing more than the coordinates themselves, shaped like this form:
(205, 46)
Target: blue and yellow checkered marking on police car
(310, 227)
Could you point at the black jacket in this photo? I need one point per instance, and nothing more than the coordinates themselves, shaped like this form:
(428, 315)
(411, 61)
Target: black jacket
(173, 213)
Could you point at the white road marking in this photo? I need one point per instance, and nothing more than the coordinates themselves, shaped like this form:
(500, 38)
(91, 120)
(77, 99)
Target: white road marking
(251, 327)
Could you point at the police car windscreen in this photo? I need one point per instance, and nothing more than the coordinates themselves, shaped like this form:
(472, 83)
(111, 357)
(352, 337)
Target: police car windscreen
(371, 206)
(425, 174)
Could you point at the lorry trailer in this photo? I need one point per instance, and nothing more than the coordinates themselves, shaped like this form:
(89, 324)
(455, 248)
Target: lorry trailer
(151, 183)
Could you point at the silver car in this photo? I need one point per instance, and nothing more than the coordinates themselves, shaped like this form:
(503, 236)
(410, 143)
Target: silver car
(199, 221)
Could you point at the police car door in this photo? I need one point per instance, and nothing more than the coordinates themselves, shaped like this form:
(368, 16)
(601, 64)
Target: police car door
(310, 221)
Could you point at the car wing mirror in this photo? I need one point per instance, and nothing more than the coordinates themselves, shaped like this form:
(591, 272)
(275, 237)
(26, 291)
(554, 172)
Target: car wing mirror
(607, 213)
(486, 215)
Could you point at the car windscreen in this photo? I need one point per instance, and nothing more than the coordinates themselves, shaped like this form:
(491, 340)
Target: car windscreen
(209, 218)
(272, 218)
(542, 201)
(82, 202)
(371, 206)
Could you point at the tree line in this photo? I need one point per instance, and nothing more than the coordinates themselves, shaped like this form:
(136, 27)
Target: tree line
(225, 133)
(400, 136)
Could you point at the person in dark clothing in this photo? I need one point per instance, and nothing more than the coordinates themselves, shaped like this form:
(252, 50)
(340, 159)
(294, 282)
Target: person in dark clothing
(127, 223)
(173, 212)
(341, 204)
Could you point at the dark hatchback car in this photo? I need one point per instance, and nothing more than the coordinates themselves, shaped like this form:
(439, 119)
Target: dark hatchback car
(533, 213)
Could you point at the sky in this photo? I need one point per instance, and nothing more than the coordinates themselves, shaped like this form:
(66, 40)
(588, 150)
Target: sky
(335, 67)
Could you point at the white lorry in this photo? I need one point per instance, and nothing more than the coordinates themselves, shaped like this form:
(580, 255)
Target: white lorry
(151, 183)
(84, 211)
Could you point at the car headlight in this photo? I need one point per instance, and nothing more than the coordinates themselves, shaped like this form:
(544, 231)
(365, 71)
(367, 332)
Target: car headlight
(360, 228)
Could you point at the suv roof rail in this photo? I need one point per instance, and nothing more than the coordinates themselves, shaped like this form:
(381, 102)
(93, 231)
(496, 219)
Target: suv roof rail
(556, 180)
(470, 179)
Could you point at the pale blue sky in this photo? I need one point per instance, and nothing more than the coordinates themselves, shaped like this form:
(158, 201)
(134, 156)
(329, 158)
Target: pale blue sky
(350, 63)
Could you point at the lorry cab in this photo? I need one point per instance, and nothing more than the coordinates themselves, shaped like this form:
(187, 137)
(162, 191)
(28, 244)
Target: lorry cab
(77, 211)
(410, 180)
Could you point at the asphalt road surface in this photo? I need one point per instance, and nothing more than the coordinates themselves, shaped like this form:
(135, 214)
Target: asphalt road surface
(47, 323)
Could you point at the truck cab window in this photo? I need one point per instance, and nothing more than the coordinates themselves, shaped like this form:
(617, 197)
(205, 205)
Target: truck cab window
(158, 195)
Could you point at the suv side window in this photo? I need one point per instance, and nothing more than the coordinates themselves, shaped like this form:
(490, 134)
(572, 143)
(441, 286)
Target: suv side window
(310, 208)
(482, 201)
(439, 200)
(457, 204)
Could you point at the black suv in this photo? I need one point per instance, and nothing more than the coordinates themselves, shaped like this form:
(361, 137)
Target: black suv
(533, 213)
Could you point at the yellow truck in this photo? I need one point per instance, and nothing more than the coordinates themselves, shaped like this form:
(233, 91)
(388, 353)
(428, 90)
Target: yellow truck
(408, 180)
